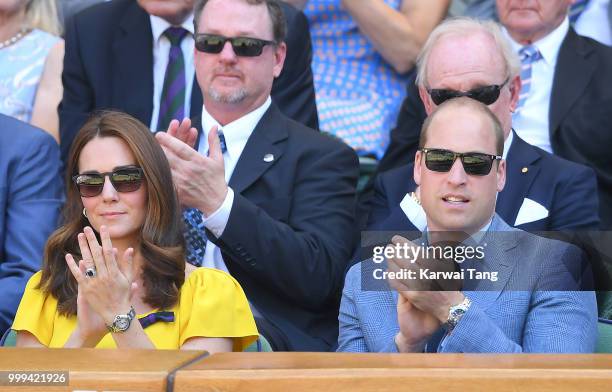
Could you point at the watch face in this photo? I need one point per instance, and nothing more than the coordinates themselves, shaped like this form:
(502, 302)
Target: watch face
(122, 323)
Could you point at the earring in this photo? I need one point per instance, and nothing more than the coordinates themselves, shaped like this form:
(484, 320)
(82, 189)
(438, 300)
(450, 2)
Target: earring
(85, 213)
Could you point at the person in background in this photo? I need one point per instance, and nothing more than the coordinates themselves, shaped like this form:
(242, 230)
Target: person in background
(114, 274)
(363, 52)
(564, 98)
(543, 191)
(266, 198)
(137, 56)
(31, 195)
(31, 55)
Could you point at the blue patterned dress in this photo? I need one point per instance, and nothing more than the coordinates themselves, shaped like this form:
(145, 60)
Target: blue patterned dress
(21, 67)
(358, 94)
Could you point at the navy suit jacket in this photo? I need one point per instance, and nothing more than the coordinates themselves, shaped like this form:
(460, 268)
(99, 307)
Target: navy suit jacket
(31, 194)
(109, 65)
(567, 190)
(291, 228)
(535, 306)
(580, 117)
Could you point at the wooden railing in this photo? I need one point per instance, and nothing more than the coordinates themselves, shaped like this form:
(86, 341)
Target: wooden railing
(167, 370)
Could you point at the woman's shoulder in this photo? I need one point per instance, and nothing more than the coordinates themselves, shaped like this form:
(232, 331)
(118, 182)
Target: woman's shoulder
(204, 276)
(34, 280)
(43, 36)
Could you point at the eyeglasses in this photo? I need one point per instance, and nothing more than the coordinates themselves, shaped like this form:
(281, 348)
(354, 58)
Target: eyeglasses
(474, 163)
(127, 179)
(242, 46)
(484, 94)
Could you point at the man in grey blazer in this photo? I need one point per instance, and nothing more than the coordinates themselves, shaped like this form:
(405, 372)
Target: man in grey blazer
(519, 293)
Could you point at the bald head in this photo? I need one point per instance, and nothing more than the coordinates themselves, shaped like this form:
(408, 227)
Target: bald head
(446, 112)
(463, 55)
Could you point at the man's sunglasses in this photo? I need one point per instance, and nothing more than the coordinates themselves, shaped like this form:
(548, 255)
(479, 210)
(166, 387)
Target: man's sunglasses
(474, 163)
(242, 46)
(127, 179)
(484, 94)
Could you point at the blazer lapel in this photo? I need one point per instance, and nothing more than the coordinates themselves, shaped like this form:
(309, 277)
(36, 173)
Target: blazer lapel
(499, 257)
(262, 150)
(521, 170)
(133, 64)
(196, 99)
(568, 85)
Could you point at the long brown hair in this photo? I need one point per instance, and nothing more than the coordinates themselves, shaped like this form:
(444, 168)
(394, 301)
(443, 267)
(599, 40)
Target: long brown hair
(160, 241)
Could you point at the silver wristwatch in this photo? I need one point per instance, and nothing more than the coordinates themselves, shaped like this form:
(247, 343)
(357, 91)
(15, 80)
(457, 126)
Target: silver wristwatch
(456, 312)
(122, 321)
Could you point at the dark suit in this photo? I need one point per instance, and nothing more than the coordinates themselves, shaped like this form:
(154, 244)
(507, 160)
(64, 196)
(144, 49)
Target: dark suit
(109, 65)
(565, 189)
(291, 229)
(30, 199)
(580, 115)
(580, 118)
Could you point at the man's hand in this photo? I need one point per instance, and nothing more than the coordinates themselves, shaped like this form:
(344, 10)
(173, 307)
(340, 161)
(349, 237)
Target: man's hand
(415, 325)
(422, 306)
(199, 180)
(183, 131)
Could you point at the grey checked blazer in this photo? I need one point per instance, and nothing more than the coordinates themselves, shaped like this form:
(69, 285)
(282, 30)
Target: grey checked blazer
(531, 308)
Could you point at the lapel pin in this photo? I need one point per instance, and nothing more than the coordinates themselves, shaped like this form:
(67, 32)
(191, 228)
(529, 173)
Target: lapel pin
(268, 157)
(524, 170)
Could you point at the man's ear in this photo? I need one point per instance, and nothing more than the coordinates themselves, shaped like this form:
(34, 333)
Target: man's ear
(515, 92)
(426, 99)
(280, 53)
(501, 175)
(418, 161)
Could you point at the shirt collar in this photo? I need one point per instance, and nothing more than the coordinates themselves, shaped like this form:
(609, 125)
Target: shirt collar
(507, 144)
(237, 132)
(549, 45)
(475, 237)
(159, 25)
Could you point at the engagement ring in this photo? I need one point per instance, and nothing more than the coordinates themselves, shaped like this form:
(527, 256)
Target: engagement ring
(90, 272)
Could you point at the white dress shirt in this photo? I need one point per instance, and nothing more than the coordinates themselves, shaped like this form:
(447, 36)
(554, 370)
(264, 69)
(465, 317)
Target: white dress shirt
(531, 122)
(594, 22)
(161, 51)
(415, 212)
(236, 135)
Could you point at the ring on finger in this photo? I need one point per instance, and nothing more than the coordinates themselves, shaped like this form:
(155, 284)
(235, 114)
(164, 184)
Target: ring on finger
(90, 272)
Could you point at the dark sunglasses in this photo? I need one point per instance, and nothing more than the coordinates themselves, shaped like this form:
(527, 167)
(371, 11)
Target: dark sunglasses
(474, 163)
(127, 179)
(484, 94)
(242, 46)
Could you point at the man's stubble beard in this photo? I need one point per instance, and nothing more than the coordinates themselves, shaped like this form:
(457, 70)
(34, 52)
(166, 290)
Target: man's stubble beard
(233, 97)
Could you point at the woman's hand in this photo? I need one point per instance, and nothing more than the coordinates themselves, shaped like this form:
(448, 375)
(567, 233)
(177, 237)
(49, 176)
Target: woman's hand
(110, 291)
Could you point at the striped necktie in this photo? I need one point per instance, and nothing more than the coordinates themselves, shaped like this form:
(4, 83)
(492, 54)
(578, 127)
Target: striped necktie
(194, 232)
(576, 10)
(529, 55)
(172, 103)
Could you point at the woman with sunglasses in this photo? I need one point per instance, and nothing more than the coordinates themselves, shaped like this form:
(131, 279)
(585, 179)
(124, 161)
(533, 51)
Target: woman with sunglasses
(114, 275)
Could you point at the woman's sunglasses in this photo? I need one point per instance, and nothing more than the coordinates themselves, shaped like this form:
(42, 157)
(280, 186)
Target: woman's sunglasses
(474, 163)
(484, 94)
(242, 46)
(127, 179)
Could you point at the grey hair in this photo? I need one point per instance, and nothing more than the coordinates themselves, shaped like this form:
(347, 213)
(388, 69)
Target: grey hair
(463, 26)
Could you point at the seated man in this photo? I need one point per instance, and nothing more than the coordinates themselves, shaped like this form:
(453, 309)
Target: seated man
(530, 302)
(271, 201)
(31, 194)
(543, 191)
(124, 54)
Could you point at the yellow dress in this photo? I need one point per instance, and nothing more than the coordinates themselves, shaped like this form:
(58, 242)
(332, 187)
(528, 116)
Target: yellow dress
(211, 304)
